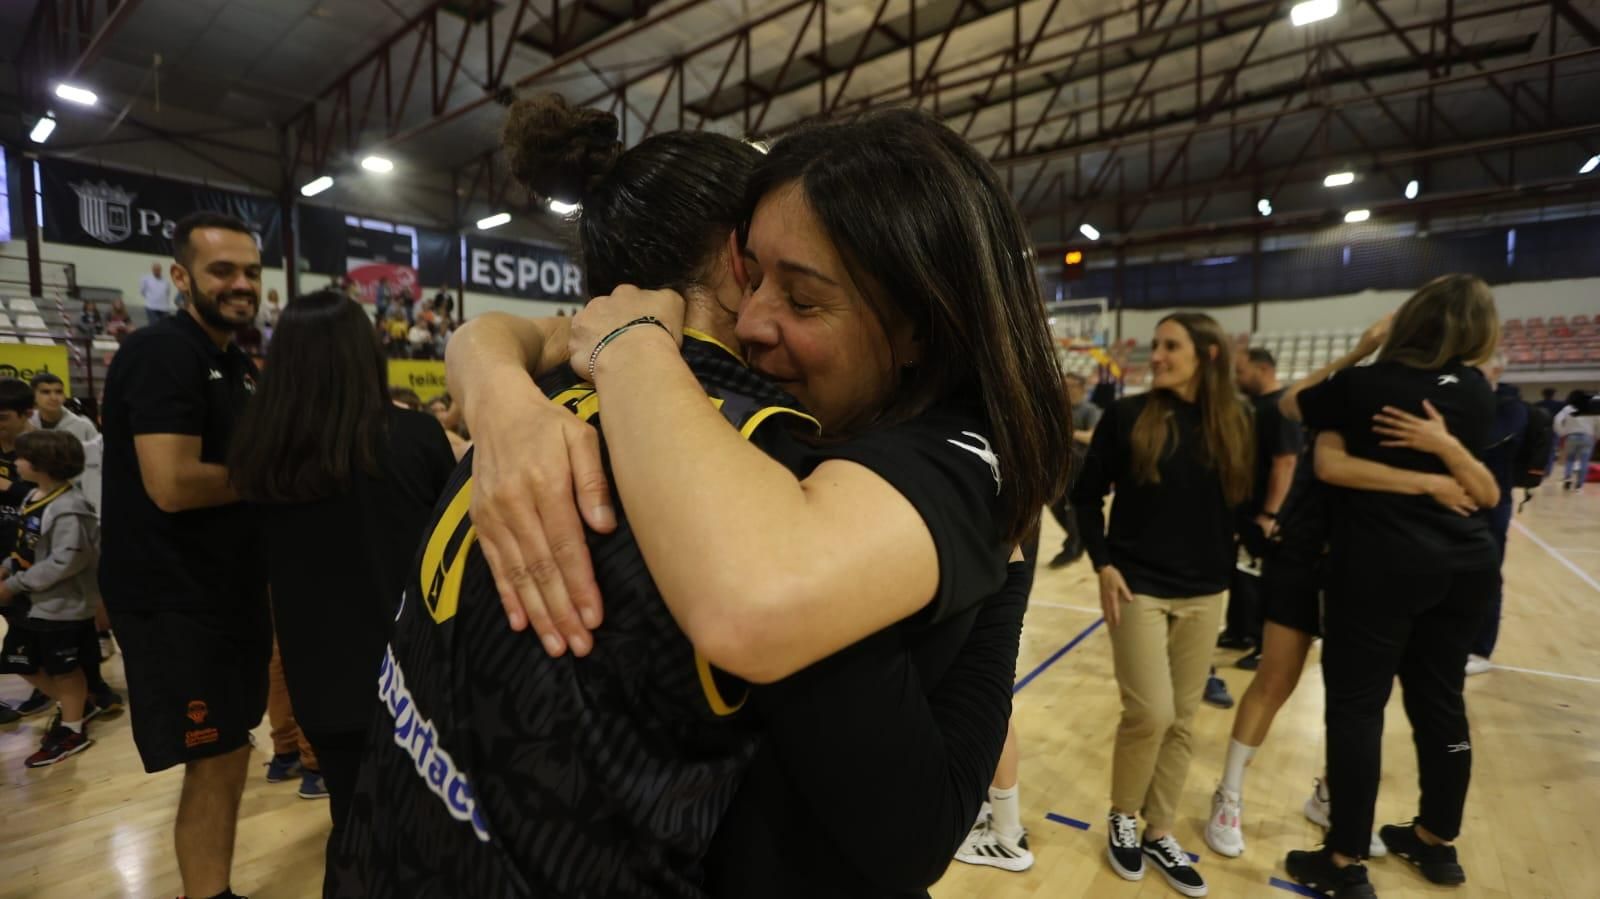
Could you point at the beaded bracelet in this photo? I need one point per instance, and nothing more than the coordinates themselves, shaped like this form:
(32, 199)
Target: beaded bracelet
(604, 341)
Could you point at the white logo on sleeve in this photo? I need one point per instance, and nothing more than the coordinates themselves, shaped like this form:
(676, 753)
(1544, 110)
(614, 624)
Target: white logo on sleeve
(983, 452)
(216, 375)
(1448, 379)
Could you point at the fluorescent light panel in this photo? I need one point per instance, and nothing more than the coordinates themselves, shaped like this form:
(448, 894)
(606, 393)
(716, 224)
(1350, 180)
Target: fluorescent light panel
(1591, 165)
(1357, 216)
(42, 130)
(380, 164)
(494, 221)
(1313, 11)
(316, 186)
(74, 94)
(1089, 231)
(560, 208)
(1339, 179)
(1264, 206)
(1412, 189)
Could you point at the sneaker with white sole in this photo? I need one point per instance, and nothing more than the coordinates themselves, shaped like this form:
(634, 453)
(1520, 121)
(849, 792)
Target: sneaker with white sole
(1477, 664)
(1223, 832)
(1173, 863)
(1122, 847)
(986, 845)
(1318, 809)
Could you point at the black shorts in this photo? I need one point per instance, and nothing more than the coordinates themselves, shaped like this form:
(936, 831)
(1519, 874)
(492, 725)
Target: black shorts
(1291, 590)
(55, 647)
(197, 679)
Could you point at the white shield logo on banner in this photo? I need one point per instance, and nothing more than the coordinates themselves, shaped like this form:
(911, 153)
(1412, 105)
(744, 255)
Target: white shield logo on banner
(104, 212)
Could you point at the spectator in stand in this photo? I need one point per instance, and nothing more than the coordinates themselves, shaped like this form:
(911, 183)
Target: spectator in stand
(405, 398)
(157, 293)
(269, 316)
(421, 339)
(441, 338)
(118, 322)
(444, 305)
(90, 324)
(1550, 404)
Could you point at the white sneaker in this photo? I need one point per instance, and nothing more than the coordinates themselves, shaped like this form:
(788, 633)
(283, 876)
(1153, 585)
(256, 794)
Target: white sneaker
(1223, 832)
(1477, 664)
(1317, 810)
(108, 647)
(987, 846)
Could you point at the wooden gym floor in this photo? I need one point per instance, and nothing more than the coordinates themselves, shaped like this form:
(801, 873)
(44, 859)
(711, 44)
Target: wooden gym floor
(96, 825)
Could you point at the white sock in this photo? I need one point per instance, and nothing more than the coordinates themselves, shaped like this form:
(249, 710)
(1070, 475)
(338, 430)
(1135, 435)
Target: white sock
(1007, 812)
(74, 726)
(1239, 756)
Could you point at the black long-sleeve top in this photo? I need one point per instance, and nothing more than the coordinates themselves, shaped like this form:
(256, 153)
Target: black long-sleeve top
(1173, 539)
(874, 761)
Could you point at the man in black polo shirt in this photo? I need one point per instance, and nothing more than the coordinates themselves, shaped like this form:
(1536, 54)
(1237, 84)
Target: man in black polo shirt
(179, 564)
(1278, 444)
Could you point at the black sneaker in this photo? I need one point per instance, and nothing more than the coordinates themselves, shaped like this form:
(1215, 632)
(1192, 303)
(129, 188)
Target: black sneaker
(34, 704)
(1234, 641)
(1316, 871)
(1217, 692)
(1122, 847)
(1173, 863)
(8, 715)
(1250, 662)
(1437, 863)
(107, 702)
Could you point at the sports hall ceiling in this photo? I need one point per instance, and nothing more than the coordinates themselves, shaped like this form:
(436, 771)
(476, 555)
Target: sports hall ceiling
(1154, 121)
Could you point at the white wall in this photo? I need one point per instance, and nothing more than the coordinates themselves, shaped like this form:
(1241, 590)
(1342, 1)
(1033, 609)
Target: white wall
(1578, 296)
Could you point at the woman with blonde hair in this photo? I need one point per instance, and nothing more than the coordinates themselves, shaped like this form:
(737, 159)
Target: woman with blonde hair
(1180, 458)
(1411, 579)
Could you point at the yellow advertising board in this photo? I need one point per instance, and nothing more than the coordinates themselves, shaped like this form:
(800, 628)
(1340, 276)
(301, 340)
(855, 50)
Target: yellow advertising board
(23, 361)
(425, 376)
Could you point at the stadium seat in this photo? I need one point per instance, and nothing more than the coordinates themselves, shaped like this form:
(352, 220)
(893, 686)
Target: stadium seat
(1513, 324)
(32, 323)
(23, 305)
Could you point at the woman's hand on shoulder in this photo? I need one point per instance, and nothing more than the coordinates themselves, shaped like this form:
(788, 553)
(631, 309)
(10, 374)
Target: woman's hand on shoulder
(605, 314)
(1424, 434)
(537, 478)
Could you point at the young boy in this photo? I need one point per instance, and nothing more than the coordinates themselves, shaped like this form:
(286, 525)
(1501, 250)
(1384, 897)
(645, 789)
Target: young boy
(53, 564)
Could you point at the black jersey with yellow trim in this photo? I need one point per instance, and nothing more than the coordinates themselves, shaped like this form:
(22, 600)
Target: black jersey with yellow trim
(495, 770)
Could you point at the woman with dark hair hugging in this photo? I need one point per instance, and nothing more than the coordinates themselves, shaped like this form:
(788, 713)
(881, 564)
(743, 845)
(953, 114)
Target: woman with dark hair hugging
(742, 547)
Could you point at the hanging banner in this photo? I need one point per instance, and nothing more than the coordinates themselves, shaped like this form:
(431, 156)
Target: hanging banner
(109, 209)
(425, 376)
(23, 361)
(376, 258)
(397, 281)
(523, 270)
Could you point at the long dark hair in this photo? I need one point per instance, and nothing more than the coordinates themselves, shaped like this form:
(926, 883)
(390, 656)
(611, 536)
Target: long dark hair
(931, 237)
(319, 416)
(1226, 443)
(652, 215)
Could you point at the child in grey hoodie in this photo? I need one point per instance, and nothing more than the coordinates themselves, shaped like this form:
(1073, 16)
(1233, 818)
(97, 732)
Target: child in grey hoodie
(53, 570)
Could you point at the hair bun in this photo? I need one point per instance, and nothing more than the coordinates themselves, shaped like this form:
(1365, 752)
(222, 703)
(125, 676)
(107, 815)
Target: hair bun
(557, 150)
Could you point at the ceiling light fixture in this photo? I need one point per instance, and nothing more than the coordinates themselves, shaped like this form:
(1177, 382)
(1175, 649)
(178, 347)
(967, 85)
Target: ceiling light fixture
(74, 94)
(1339, 179)
(1089, 231)
(1357, 216)
(1412, 189)
(1264, 206)
(1594, 161)
(42, 129)
(1313, 11)
(560, 208)
(380, 165)
(494, 221)
(316, 186)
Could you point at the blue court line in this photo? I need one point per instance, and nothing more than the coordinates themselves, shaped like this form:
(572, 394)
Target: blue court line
(1055, 657)
(1070, 822)
(1292, 887)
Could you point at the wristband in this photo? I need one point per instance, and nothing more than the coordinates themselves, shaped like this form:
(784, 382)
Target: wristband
(605, 341)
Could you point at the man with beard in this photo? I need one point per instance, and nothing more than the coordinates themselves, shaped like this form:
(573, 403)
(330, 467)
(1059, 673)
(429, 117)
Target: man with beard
(180, 568)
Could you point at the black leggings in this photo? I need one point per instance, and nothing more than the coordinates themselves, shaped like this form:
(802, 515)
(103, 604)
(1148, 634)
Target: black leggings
(339, 762)
(1384, 620)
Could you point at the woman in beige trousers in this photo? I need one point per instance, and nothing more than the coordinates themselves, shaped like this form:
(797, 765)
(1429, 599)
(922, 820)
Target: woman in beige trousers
(1179, 457)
